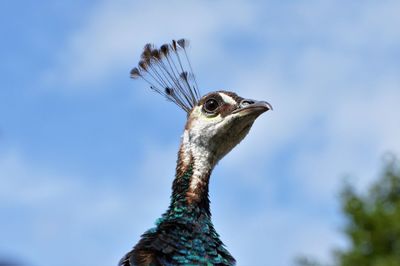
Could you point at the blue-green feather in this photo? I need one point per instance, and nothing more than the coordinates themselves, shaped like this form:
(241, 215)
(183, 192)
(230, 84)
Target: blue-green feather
(184, 235)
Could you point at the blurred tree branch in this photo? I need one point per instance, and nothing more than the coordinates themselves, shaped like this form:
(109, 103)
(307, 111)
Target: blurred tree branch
(373, 222)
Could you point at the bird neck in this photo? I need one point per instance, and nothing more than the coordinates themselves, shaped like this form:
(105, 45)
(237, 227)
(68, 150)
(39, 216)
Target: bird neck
(194, 167)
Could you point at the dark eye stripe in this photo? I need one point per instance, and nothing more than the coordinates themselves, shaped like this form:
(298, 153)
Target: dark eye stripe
(224, 108)
(214, 95)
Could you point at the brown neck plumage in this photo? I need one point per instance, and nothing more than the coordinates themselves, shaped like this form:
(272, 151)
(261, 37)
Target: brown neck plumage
(191, 180)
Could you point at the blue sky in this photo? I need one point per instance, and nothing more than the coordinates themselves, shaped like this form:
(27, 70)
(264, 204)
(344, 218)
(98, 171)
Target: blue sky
(87, 155)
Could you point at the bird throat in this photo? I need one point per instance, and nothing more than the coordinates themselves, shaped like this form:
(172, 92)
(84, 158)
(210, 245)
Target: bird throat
(190, 187)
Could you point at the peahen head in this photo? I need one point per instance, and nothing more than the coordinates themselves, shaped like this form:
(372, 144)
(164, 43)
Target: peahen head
(217, 121)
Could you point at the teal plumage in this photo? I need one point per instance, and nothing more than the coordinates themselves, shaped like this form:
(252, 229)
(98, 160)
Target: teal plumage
(184, 235)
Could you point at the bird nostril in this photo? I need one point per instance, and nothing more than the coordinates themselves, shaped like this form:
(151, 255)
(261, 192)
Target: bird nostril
(246, 102)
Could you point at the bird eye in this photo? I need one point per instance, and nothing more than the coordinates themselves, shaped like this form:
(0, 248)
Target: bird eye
(210, 105)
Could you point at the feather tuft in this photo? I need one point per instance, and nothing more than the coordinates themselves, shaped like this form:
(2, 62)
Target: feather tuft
(146, 54)
(135, 73)
(164, 49)
(143, 65)
(155, 54)
(165, 71)
(183, 43)
(169, 91)
(184, 75)
(174, 45)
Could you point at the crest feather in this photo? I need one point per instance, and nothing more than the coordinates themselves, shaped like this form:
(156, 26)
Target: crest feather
(166, 73)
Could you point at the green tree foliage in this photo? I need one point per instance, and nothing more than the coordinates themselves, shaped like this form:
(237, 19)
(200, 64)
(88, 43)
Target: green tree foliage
(373, 222)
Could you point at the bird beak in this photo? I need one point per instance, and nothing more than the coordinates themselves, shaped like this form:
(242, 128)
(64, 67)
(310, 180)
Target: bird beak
(248, 106)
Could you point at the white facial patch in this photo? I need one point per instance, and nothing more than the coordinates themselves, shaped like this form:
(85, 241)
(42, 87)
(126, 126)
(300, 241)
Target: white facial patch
(199, 142)
(227, 98)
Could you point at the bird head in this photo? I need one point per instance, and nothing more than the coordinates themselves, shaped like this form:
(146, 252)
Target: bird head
(220, 120)
(217, 122)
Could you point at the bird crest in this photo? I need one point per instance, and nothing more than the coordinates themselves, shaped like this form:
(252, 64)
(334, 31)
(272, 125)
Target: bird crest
(165, 69)
(216, 123)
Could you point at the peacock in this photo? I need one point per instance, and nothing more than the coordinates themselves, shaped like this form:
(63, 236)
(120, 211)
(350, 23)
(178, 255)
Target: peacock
(216, 123)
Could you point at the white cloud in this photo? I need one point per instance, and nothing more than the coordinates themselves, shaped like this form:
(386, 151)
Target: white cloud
(25, 185)
(114, 34)
(337, 115)
(65, 212)
(276, 236)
